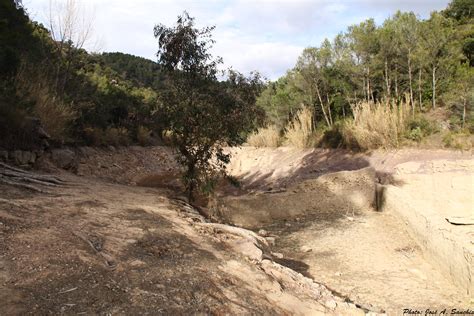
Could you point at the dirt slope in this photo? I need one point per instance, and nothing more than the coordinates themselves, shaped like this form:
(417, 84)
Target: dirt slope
(93, 247)
(102, 245)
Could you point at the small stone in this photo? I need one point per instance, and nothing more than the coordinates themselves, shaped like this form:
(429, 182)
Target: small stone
(63, 158)
(263, 232)
(278, 255)
(270, 240)
(20, 157)
(331, 304)
(338, 274)
(306, 249)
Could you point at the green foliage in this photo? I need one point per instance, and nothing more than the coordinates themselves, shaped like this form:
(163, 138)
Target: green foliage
(458, 140)
(201, 113)
(79, 97)
(137, 70)
(404, 59)
(420, 127)
(460, 10)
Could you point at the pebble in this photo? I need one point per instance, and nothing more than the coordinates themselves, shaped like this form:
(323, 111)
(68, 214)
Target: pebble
(331, 304)
(263, 232)
(305, 249)
(270, 240)
(278, 255)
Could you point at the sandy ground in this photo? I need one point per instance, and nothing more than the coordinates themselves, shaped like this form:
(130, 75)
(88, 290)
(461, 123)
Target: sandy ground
(94, 247)
(102, 245)
(373, 258)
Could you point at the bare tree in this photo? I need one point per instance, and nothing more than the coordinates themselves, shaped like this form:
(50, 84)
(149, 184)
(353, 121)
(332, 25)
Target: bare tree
(70, 23)
(71, 28)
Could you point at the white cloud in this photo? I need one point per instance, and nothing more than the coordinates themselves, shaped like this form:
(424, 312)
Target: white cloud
(264, 35)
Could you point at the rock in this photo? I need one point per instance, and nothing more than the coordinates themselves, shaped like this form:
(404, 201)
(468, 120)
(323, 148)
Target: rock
(263, 232)
(63, 158)
(247, 248)
(338, 274)
(305, 249)
(278, 255)
(3, 155)
(23, 157)
(331, 304)
(271, 240)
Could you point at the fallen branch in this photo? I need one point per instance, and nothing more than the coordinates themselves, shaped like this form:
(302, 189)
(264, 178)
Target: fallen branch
(15, 172)
(24, 179)
(19, 184)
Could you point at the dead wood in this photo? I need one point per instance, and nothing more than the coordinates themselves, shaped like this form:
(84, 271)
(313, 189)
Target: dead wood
(27, 180)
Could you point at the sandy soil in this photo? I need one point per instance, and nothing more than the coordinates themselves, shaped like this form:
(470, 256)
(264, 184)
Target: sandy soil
(371, 257)
(102, 245)
(93, 247)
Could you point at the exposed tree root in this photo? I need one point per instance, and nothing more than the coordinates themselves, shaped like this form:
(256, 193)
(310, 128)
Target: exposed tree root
(27, 180)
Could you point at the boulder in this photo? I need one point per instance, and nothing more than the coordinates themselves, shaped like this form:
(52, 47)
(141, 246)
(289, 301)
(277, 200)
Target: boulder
(21, 157)
(63, 158)
(3, 155)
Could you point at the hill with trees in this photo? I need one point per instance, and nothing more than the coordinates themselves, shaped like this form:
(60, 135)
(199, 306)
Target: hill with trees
(423, 64)
(370, 86)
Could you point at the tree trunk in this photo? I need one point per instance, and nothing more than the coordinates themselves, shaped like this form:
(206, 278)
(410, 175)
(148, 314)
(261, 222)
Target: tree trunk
(434, 86)
(419, 89)
(410, 82)
(396, 84)
(191, 181)
(329, 109)
(322, 106)
(365, 90)
(387, 80)
(464, 105)
(368, 85)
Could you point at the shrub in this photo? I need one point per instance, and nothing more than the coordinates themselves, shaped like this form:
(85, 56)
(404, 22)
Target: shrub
(376, 125)
(116, 136)
(93, 136)
(299, 131)
(333, 137)
(415, 134)
(458, 140)
(55, 115)
(265, 137)
(420, 127)
(144, 136)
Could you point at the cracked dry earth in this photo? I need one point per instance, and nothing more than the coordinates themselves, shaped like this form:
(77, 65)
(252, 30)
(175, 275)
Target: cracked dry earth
(92, 247)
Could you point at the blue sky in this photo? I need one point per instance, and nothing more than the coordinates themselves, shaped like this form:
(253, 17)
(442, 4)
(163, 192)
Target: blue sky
(262, 35)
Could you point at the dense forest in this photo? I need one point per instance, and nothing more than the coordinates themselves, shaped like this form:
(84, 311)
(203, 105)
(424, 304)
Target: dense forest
(405, 62)
(422, 67)
(78, 97)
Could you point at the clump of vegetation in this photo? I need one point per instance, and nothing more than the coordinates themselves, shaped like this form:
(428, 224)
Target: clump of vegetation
(116, 136)
(202, 113)
(300, 132)
(265, 137)
(419, 128)
(414, 64)
(144, 137)
(376, 125)
(458, 140)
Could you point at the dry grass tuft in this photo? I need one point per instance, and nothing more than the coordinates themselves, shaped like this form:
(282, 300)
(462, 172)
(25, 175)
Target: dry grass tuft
(376, 125)
(265, 137)
(55, 115)
(300, 132)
